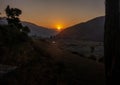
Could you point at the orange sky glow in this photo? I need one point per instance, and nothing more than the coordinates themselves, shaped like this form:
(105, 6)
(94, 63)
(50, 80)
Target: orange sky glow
(51, 13)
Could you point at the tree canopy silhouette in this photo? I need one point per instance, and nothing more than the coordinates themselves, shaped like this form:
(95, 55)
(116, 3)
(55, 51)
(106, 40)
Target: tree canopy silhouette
(13, 18)
(12, 12)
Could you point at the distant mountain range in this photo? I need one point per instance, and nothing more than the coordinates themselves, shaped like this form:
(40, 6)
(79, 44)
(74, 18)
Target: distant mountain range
(36, 31)
(39, 31)
(92, 30)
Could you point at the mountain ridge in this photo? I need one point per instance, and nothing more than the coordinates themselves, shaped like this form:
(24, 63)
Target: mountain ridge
(92, 30)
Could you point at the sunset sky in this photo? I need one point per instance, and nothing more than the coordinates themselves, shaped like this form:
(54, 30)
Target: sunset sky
(53, 13)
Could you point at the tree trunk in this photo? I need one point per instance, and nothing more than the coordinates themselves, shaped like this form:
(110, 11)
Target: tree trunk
(112, 42)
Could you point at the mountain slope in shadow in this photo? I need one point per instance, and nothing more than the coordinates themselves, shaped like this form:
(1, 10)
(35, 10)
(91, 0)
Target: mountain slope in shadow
(92, 30)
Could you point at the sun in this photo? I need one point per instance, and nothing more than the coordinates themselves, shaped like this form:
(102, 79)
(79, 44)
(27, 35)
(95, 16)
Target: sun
(59, 27)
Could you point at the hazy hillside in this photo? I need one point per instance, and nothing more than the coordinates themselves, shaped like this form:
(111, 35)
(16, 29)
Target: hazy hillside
(39, 31)
(92, 30)
(36, 30)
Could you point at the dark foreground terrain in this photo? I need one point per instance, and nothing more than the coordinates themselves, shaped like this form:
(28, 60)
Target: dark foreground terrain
(43, 62)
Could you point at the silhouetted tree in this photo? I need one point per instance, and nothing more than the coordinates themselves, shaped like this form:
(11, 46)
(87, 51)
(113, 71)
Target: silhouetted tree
(16, 12)
(7, 10)
(26, 29)
(13, 18)
(12, 12)
(112, 42)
